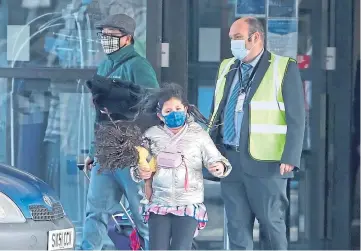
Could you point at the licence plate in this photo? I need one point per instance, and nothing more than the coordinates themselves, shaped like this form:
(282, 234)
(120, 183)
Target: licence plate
(61, 239)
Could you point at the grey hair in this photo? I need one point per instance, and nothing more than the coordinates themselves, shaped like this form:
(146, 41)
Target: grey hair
(255, 25)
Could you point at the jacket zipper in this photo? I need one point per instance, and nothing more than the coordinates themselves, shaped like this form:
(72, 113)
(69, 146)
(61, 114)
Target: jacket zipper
(173, 190)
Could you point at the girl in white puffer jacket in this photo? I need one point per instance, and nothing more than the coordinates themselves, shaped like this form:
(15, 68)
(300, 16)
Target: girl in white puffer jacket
(182, 147)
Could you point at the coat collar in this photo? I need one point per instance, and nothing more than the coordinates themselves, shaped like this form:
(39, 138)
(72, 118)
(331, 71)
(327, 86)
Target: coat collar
(263, 64)
(229, 79)
(121, 54)
(262, 67)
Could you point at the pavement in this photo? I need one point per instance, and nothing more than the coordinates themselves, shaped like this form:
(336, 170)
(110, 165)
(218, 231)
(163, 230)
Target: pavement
(213, 235)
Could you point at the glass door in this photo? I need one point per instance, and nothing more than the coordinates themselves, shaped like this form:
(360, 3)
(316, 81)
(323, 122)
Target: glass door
(48, 49)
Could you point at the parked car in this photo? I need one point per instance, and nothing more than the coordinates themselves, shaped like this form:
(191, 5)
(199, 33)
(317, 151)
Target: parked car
(31, 215)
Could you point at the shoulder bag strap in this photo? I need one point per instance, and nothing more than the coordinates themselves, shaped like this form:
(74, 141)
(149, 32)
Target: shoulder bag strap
(115, 67)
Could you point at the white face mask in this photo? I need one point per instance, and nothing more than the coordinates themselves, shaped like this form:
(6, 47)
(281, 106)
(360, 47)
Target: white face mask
(239, 49)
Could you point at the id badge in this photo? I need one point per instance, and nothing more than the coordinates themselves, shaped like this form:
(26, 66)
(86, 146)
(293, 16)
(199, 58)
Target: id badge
(240, 101)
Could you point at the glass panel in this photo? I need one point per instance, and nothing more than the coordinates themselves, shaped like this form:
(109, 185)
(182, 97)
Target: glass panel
(211, 238)
(61, 33)
(46, 128)
(298, 186)
(205, 96)
(4, 124)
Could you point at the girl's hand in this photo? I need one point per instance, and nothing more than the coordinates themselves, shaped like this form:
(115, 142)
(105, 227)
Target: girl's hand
(217, 169)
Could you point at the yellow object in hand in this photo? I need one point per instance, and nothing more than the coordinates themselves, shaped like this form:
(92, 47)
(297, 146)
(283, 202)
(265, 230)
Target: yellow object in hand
(146, 162)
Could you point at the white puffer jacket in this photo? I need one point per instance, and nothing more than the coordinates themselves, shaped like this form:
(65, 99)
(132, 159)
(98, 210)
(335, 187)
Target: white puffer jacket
(199, 151)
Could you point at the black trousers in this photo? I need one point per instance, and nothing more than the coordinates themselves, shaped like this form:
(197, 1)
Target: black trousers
(255, 197)
(171, 232)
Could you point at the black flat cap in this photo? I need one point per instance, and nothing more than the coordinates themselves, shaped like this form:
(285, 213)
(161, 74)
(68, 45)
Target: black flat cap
(122, 22)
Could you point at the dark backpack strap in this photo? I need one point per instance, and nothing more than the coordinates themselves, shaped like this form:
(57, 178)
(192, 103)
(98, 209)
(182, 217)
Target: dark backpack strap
(115, 67)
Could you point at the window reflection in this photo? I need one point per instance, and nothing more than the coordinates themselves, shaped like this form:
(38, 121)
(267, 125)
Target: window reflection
(59, 33)
(4, 136)
(46, 125)
(304, 35)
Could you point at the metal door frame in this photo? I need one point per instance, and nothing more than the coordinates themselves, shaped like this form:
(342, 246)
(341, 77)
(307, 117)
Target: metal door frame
(339, 89)
(328, 168)
(175, 33)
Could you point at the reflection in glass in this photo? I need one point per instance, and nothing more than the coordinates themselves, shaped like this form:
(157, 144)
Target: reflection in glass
(282, 8)
(43, 132)
(61, 33)
(46, 125)
(304, 34)
(4, 137)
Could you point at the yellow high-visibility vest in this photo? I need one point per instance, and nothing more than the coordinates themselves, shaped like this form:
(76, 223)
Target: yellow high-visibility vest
(267, 119)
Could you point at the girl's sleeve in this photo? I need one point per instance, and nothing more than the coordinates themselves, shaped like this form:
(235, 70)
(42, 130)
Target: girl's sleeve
(210, 154)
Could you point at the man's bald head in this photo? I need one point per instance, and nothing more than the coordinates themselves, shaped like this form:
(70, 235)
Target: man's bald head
(247, 25)
(251, 30)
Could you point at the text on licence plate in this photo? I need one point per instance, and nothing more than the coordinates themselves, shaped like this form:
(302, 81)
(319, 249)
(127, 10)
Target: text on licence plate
(61, 239)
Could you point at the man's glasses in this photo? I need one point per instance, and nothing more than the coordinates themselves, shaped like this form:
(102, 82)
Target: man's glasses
(104, 35)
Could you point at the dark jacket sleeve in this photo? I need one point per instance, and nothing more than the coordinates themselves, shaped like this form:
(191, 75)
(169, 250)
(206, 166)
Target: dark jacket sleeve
(293, 96)
(143, 74)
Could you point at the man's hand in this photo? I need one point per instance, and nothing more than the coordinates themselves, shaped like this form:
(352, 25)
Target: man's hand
(217, 169)
(144, 175)
(88, 163)
(285, 168)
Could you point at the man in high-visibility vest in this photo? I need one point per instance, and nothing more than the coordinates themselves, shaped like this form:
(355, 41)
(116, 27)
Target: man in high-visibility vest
(258, 119)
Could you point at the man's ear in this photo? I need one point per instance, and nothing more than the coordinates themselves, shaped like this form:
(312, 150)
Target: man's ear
(256, 37)
(129, 40)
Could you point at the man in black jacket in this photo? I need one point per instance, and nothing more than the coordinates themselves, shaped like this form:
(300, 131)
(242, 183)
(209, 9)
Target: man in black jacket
(259, 121)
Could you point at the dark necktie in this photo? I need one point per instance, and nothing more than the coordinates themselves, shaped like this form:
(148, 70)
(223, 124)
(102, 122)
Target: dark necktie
(229, 125)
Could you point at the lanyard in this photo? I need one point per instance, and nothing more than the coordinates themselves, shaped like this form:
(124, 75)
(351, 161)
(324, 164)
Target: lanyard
(246, 87)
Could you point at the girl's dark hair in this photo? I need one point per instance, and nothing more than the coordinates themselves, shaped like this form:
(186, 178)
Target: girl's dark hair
(115, 141)
(154, 100)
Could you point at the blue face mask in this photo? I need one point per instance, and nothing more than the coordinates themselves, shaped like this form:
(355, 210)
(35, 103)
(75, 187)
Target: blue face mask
(175, 119)
(239, 49)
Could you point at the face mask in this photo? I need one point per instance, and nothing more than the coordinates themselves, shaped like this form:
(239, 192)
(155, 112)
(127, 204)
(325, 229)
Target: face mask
(175, 119)
(110, 44)
(239, 49)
